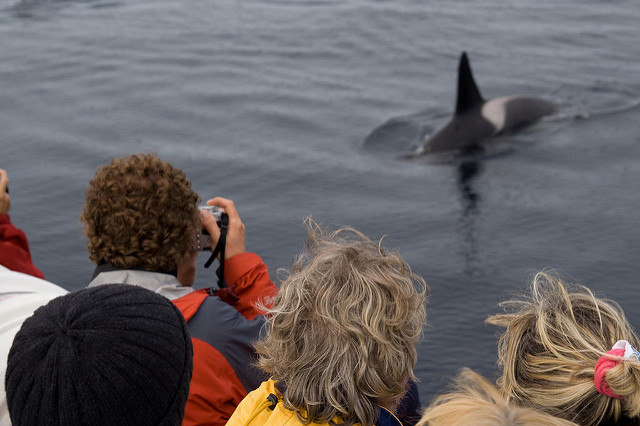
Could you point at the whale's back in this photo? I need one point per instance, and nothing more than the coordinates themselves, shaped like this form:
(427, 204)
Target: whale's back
(476, 120)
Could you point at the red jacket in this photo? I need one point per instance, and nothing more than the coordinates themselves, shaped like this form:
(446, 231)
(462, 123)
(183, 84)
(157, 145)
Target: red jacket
(14, 249)
(223, 328)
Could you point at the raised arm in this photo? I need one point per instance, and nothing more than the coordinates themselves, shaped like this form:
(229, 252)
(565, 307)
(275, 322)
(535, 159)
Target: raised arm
(246, 274)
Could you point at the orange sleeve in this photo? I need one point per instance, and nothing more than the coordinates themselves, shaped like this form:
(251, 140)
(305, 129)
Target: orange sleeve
(215, 391)
(249, 284)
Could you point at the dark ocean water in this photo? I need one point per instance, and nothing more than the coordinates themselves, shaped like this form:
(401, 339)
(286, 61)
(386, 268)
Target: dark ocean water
(270, 103)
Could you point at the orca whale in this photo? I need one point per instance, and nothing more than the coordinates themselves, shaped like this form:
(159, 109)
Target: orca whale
(475, 120)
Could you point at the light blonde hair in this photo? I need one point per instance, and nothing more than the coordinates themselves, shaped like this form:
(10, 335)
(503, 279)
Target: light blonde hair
(549, 349)
(140, 212)
(475, 401)
(344, 327)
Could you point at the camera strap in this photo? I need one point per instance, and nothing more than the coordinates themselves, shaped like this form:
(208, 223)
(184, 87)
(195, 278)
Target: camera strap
(219, 250)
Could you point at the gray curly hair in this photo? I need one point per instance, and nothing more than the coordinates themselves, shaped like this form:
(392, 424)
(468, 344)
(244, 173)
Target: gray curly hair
(343, 331)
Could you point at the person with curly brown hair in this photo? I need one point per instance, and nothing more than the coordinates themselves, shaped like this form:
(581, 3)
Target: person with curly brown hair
(141, 217)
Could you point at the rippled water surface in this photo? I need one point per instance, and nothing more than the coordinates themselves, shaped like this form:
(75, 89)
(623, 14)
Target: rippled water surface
(270, 103)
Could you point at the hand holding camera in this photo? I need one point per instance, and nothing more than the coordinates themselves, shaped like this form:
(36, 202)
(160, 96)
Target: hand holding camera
(235, 243)
(203, 238)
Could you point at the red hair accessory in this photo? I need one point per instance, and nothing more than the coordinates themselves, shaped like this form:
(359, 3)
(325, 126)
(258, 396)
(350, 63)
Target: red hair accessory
(622, 349)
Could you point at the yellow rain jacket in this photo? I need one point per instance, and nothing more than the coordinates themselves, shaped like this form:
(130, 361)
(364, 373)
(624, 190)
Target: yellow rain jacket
(257, 409)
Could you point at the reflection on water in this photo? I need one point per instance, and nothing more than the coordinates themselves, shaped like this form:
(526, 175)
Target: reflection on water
(468, 171)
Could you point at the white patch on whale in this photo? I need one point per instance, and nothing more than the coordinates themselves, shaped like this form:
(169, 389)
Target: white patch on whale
(495, 111)
(476, 120)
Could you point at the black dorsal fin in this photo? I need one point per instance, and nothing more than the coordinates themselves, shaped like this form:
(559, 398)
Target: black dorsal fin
(468, 94)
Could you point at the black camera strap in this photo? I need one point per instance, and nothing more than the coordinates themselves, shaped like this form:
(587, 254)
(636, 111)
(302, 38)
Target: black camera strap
(219, 250)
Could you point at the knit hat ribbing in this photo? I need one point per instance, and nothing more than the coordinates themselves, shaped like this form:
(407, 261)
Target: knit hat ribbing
(112, 354)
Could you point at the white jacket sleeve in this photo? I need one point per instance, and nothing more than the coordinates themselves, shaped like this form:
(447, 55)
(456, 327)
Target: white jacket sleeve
(20, 296)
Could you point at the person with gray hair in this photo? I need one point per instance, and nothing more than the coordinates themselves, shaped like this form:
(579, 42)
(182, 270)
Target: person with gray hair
(342, 335)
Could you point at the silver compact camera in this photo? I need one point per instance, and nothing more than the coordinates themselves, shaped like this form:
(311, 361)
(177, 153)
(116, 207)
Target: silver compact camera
(215, 211)
(203, 239)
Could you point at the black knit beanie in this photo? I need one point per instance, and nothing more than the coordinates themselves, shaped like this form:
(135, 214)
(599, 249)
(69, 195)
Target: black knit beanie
(109, 355)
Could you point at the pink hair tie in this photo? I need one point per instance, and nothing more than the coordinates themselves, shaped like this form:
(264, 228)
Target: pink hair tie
(622, 349)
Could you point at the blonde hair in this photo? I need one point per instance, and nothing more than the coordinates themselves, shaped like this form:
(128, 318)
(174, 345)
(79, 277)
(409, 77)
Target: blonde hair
(549, 349)
(475, 401)
(140, 212)
(344, 327)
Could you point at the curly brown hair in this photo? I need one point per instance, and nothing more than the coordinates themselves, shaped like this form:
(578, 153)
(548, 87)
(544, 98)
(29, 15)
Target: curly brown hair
(140, 212)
